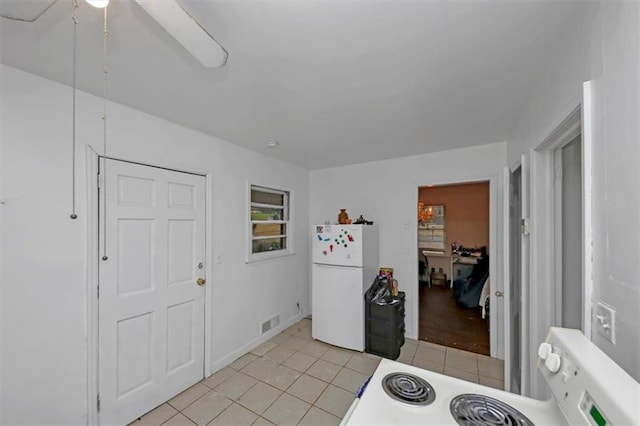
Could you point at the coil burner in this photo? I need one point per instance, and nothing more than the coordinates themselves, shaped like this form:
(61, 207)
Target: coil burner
(407, 388)
(479, 410)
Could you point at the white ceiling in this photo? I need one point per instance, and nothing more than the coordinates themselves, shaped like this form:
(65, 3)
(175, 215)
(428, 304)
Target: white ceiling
(335, 82)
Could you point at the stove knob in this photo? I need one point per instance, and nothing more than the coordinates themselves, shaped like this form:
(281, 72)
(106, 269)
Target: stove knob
(544, 350)
(553, 362)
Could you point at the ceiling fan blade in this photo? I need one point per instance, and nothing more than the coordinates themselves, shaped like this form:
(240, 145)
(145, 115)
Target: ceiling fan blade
(24, 10)
(186, 30)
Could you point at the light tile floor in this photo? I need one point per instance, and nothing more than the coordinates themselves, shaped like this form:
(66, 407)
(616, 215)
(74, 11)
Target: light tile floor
(293, 379)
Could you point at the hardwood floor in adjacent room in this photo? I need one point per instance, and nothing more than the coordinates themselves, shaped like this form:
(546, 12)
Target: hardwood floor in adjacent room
(443, 322)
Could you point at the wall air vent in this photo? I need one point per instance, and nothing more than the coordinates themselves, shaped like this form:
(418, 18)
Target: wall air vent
(270, 323)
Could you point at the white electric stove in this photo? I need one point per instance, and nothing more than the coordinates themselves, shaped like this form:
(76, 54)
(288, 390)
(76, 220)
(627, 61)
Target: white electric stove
(587, 387)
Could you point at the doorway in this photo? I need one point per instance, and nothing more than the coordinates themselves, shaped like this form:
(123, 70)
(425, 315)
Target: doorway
(563, 160)
(568, 188)
(151, 309)
(453, 258)
(550, 295)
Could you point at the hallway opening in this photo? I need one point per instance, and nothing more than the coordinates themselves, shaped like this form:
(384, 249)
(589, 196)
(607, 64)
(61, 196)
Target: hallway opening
(453, 247)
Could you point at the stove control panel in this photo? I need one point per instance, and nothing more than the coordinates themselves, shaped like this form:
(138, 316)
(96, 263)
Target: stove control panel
(588, 386)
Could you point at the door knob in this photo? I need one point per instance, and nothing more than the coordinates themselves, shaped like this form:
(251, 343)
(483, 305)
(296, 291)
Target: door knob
(499, 294)
(201, 281)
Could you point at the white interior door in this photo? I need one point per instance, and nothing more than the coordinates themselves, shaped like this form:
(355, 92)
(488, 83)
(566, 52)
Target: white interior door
(525, 194)
(151, 308)
(515, 281)
(570, 252)
(506, 276)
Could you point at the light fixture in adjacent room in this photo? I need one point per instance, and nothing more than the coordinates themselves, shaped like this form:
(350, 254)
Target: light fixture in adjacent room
(100, 4)
(425, 213)
(271, 144)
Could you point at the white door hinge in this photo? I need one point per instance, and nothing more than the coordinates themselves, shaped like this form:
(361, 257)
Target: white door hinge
(524, 226)
(99, 181)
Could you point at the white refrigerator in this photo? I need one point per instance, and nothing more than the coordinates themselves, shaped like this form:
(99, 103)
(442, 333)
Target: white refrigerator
(345, 263)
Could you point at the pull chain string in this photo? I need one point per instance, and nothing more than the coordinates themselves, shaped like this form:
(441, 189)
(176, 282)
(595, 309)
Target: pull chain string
(74, 18)
(104, 130)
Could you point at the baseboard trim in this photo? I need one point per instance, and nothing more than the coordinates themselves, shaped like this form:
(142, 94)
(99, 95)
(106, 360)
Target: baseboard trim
(232, 356)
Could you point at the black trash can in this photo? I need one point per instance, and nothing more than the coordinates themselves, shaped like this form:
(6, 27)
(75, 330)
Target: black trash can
(384, 322)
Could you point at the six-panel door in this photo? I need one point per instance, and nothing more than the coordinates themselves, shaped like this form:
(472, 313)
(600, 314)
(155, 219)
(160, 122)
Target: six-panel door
(151, 320)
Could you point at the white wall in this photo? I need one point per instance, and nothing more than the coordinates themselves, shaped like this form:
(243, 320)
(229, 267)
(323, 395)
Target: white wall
(604, 47)
(1, 267)
(387, 193)
(43, 252)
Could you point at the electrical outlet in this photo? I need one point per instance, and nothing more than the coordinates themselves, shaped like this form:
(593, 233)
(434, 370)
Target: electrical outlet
(606, 321)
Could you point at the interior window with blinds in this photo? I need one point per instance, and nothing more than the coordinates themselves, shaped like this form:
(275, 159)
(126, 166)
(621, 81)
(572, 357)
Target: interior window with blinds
(269, 221)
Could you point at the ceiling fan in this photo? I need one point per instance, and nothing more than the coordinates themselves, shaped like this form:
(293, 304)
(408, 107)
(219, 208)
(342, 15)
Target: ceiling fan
(168, 13)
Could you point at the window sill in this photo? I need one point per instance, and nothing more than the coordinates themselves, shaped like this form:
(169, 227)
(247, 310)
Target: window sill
(261, 257)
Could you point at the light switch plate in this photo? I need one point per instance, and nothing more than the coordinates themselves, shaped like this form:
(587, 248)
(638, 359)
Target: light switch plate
(606, 321)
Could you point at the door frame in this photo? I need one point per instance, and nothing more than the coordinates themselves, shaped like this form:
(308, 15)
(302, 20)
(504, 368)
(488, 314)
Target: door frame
(495, 270)
(92, 159)
(549, 216)
(544, 213)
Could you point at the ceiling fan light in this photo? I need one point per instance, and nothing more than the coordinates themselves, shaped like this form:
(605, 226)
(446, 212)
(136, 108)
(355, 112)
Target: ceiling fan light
(100, 4)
